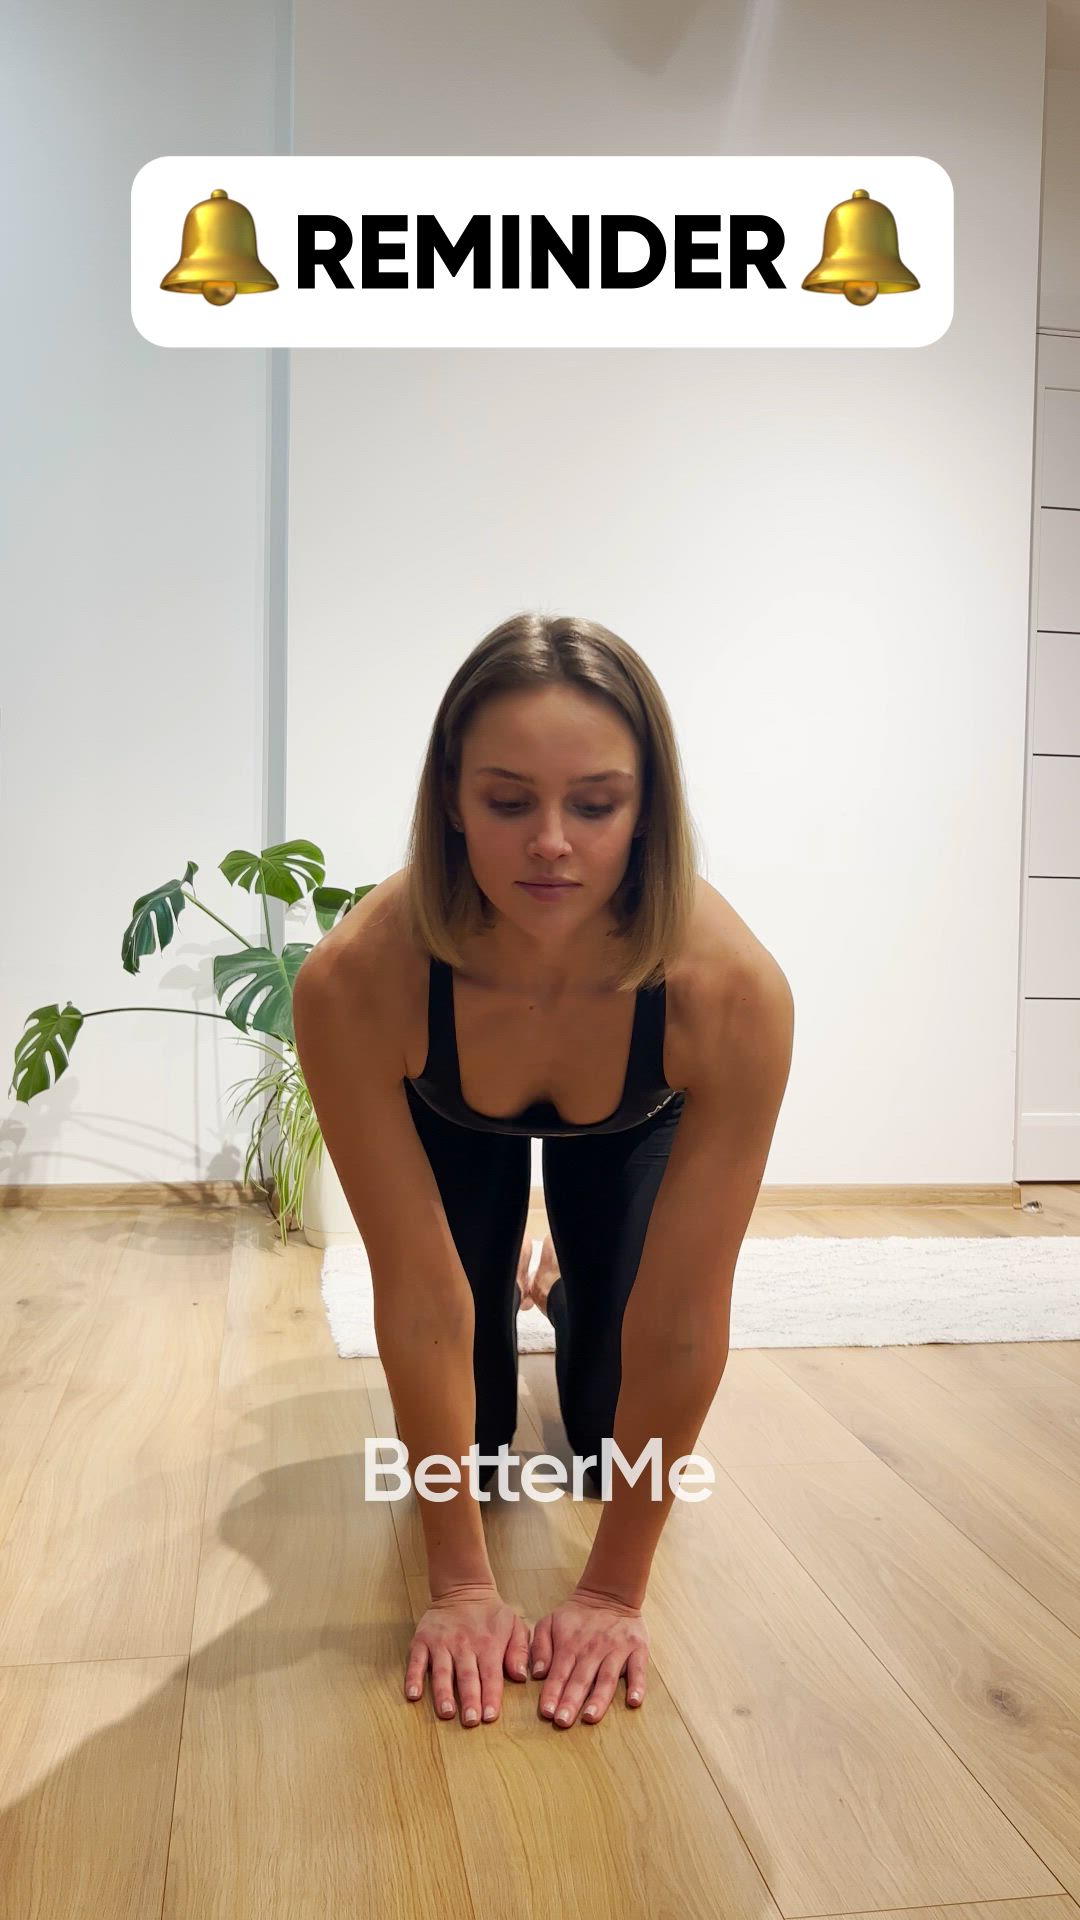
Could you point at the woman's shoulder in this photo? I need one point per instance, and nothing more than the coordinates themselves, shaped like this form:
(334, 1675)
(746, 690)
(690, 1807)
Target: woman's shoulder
(376, 950)
(368, 953)
(719, 945)
(719, 955)
(371, 961)
(373, 928)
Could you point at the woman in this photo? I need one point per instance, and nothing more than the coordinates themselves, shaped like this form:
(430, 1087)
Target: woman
(585, 1015)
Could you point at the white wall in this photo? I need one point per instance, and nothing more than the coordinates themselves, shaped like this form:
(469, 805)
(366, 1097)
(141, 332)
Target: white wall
(858, 780)
(825, 557)
(133, 507)
(1059, 264)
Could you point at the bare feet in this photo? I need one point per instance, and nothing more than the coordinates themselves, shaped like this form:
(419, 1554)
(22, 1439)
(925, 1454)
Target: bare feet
(534, 1292)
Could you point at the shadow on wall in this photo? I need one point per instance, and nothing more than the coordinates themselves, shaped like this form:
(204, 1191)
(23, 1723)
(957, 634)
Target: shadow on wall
(643, 33)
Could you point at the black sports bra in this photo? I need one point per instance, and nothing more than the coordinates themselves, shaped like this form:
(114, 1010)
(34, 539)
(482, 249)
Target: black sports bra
(645, 1091)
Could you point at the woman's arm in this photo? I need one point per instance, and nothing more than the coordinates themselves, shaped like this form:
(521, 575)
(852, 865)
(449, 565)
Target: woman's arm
(346, 1024)
(666, 1393)
(676, 1326)
(426, 1348)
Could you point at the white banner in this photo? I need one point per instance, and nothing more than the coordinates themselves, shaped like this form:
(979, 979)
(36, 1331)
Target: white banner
(528, 250)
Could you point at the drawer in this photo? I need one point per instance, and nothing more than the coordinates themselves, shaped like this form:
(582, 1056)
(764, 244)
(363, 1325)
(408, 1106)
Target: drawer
(1055, 709)
(1054, 822)
(1052, 941)
(1050, 1058)
(1060, 448)
(1058, 562)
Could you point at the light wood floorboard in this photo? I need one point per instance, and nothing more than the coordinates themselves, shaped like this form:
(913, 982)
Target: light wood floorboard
(864, 1690)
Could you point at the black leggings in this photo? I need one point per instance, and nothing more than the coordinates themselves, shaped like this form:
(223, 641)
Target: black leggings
(599, 1191)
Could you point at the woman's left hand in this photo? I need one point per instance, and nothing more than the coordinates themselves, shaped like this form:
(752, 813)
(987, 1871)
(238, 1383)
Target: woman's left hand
(582, 1647)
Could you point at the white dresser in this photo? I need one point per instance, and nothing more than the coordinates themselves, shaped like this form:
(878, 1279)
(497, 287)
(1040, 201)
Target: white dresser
(1048, 1091)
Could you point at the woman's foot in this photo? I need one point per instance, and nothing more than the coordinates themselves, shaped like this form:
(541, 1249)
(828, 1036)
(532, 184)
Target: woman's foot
(534, 1292)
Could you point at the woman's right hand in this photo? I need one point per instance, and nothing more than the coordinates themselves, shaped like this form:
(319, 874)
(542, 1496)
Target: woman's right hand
(473, 1632)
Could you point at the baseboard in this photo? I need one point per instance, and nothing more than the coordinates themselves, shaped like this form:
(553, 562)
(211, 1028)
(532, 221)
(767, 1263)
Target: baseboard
(230, 1193)
(1009, 1194)
(134, 1193)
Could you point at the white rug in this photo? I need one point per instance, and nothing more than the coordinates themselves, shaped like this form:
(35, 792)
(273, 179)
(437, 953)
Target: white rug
(807, 1292)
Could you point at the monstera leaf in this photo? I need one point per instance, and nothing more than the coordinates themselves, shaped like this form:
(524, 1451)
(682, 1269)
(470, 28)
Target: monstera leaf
(157, 911)
(328, 902)
(48, 1036)
(263, 979)
(273, 871)
(266, 972)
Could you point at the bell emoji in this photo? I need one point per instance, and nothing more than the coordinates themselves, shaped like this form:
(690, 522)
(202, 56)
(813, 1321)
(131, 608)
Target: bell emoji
(218, 255)
(861, 254)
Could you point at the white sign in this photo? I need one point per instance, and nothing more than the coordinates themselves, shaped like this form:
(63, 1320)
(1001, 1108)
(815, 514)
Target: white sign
(450, 250)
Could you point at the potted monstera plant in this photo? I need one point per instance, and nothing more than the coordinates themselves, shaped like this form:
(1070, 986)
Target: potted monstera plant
(254, 987)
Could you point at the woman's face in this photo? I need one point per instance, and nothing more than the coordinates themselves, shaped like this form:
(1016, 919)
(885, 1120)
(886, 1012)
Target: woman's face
(540, 819)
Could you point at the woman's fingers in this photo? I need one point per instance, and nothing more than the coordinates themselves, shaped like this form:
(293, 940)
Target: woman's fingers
(416, 1669)
(575, 1682)
(604, 1686)
(465, 1637)
(636, 1668)
(540, 1650)
(468, 1679)
(516, 1658)
(491, 1685)
(551, 1695)
(580, 1677)
(442, 1682)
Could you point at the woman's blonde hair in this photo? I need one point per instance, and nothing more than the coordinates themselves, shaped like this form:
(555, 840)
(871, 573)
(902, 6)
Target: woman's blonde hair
(654, 900)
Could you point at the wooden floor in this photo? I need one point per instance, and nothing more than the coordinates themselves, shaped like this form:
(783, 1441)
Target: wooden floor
(864, 1691)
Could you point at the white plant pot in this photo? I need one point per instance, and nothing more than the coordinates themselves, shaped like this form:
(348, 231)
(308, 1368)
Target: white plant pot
(327, 1219)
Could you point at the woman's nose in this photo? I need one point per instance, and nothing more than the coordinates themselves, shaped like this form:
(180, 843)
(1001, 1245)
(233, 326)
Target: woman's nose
(550, 837)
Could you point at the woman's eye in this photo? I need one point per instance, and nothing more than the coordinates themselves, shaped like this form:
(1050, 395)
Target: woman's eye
(515, 806)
